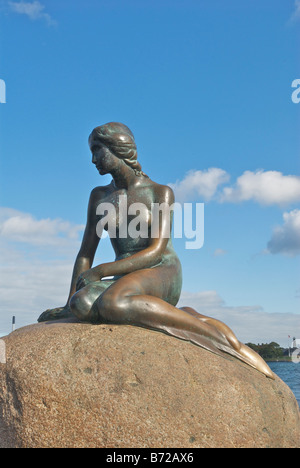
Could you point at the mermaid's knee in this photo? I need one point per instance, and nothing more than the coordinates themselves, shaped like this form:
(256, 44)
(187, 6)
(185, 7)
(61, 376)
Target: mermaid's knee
(113, 308)
(81, 307)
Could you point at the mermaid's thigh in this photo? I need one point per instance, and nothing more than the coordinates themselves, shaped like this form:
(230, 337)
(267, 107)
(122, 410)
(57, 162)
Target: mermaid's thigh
(159, 282)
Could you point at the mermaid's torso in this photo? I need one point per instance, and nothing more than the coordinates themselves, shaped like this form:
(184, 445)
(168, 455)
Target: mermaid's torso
(132, 219)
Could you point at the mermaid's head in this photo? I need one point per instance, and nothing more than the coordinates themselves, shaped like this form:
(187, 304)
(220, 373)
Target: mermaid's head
(120, 141)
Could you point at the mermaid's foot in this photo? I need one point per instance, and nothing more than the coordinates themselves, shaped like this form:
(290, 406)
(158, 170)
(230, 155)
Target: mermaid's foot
(55, 314)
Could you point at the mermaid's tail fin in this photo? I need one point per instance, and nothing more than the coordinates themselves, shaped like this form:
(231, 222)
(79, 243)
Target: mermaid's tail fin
(220, 347)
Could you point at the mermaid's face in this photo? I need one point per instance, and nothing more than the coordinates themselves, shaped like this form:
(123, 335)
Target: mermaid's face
(104, 160)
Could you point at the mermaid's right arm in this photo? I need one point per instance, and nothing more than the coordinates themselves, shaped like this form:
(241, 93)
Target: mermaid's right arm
(83, 261)
(90, 241)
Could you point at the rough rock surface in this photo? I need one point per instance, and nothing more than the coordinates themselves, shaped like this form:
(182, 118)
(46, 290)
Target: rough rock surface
(77, 385)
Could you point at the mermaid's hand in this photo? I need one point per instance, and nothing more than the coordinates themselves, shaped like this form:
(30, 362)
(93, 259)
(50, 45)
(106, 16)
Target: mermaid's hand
(89, 276)
(55, 314)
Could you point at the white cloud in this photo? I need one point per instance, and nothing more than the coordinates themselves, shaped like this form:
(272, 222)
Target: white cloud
(30, 285)
(296, 13)
(36, 262)
(199, 184)
(36, 258)
(34, 10)
(23, 227)
(266, 188)
(249, 323)
(220, 252)
(286, 238)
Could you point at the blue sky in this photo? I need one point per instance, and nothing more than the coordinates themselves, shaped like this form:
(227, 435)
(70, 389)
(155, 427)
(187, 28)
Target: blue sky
(205, 86)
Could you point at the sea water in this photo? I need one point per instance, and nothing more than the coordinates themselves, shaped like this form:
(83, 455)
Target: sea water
(289, 372)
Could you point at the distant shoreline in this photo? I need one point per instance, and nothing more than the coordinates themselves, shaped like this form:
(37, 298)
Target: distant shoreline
(279, 360)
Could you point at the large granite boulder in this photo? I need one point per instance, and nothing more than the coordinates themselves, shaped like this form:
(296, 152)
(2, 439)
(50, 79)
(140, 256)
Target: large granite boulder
(80, 385)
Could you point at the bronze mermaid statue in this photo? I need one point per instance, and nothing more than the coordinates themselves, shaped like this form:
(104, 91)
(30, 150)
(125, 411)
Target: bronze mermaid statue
(143, 285)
